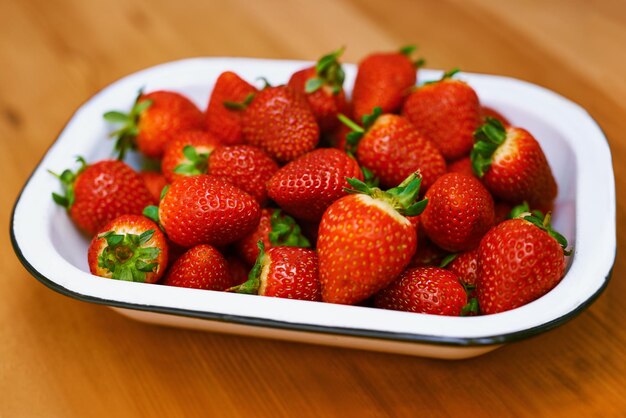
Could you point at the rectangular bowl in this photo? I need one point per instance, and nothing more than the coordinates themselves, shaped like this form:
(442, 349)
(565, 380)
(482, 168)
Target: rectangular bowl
(54, 251)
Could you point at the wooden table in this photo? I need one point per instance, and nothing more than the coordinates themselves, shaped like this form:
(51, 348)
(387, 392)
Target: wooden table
(64, 358)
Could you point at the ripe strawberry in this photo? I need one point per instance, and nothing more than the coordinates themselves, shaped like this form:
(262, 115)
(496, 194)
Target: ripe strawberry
(512, 165)
(322, 86)
(245, 166)
(519, 261)
(205, 209)
(130, 248)
(305, 187)
(488, 112)
(392, 149)
(100, 192)
(223, 113)
(463, 166)
(155, 182)
(187, 154)
(153, 121)
(460, 211)
(447, 112)
(274, 230)
(365, 241)
(503, 211)
(429, 290)
(427, 254)
(383, 80)
(200, 267)
(465, 267)
(279, 121)
(284, 272)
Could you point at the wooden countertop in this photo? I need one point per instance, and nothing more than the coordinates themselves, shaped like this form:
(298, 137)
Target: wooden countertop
(64, 358)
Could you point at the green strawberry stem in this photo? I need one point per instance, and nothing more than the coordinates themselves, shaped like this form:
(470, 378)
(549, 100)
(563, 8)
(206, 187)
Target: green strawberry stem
(402, 198)
(328, 71)
(471, 308)
(487, 139)
(408, 50)
(286, 232)
(67, 179)
(196, 163)
(239, 105)
(369, 178)
(446, 76)
(126, 256)
(542, 222)
(353, 138)
(448, 259)
(251, 286)
(128, 132)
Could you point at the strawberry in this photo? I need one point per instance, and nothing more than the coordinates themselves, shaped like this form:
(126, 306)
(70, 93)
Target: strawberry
(305, 187)
(206, 209)
(223, 113)
(245, 166)
(429, 290)
(130, 248)
(322, 86)
(502, 211)
(197, 152)
(392, 149)
(462, 165)
(284, 272)
(427, 254)
(200, 267)
(512, 165)
(279, 121)
(155, 182)
(153, 121)
(460, 211)
(383, 80)
(365, 241)
(465, 266)
(100, 192)
(519, 260)
(488, 112)
(274, 230)
(187, 154)
(237, 269)
(447, 112)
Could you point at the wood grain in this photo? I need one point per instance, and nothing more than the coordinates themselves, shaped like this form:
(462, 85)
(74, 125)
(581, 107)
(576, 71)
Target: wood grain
(63, 358)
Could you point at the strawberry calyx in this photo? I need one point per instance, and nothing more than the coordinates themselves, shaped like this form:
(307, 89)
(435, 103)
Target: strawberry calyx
(408, 50)
(286, 232)
(252, 285)
(471, 308)
(369, 178)
(126, 256)
(448, 259)
(402, 197)
(541, 221)
(353, 137)
(488, 138)
(328, 72)
(67, 179)
(196, 163)
(445, 76)
(129, 125)
(230, 105)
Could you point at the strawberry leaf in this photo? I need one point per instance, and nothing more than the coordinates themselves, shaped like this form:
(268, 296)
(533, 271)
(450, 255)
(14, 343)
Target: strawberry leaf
(448, 259)
(313, 84)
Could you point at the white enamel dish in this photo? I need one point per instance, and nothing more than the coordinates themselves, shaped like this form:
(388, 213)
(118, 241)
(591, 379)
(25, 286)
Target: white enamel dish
(54, 252)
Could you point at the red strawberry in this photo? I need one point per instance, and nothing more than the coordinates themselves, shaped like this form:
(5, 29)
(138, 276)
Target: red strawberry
(488, 112)
(512, 165)
(463, 166)
(130, 248)
(100, 192)
(429, 290)
(392, 149)
(284, 272)
(274, 230)
(201, 267)
(224, 112)
(427, 254)
(322, 86)
(447, 112)
(465, 267)
(280, 122)
(153, 121)
(383, 80)
(205, 209)
(245, 166)
(365, 241)
(187, 154)
(519, 261)
(155, 182)
(503, 211)
(460, 211)
(307, 186)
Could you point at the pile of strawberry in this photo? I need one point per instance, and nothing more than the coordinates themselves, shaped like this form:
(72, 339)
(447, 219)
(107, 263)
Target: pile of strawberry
(406, 197)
